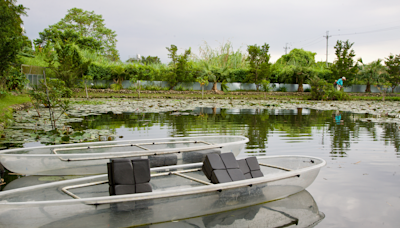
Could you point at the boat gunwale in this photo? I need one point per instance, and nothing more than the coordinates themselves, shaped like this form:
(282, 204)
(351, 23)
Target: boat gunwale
(161, 194)
(8, 152)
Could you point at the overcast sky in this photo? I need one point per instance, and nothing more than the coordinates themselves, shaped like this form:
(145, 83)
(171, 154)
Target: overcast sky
(147, 27)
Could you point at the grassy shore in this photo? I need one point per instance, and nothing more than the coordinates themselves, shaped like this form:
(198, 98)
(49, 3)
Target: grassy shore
(228, 95)
(6, 104)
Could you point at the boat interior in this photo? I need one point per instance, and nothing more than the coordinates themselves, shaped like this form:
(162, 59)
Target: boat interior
(129, 176)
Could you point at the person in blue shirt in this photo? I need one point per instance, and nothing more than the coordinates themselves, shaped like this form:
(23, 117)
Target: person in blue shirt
(340, 82)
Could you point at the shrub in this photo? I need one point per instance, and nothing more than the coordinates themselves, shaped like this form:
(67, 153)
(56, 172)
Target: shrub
(265, 86)
(282, 89)
(322, 90)
(116, 86)
(307, 90)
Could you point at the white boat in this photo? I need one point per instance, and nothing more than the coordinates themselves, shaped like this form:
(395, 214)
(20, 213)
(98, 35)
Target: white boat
(179, 192)
(91, 158)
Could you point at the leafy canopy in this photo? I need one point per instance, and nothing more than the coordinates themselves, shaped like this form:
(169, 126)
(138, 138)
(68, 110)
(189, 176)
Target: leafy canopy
(86, 24)
(344, 65)
(296, 66)
(260, 67)
(67, 62)
(11, 33)
(393, 69)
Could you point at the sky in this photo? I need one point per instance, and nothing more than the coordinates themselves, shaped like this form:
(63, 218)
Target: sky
(148, 27)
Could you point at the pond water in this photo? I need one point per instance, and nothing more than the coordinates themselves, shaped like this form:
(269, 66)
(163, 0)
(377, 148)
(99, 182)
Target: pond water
(359, 187)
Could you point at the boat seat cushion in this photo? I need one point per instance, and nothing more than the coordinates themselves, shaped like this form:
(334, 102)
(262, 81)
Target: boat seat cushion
(220, 176)
(198, 156)
(236, 174)
(141, 170)
(163, 160)
(229, 161)
(212, 162)
(128, 176)
(250, 168)
(145, 187)
(124, 189)
(122, 172)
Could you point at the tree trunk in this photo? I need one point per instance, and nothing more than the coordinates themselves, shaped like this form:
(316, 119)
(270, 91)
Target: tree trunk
(300, 89)
(368, 89)
(202, 91)
(87, 95)
(300, 81)
(257, 86)
(214, 88)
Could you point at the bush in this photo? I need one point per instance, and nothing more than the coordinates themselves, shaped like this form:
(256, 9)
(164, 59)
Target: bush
(322, 90)
(307, 90)
(265, 86)
(116, 87)
(281, 89)
(15, 80)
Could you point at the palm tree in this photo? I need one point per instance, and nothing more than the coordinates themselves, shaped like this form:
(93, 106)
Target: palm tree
(372, 73)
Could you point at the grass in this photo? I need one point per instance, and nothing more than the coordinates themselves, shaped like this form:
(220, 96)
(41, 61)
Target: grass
(192, 95)
(6, 103)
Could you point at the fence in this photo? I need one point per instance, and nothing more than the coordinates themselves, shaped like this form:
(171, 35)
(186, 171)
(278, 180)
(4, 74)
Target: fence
(35, 74)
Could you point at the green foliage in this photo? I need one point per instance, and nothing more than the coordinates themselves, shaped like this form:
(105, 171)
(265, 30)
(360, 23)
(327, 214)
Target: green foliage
(322, 90)
(371, 74)
(344, 65)
(68, 63)
(86, 24)
(145, 60)
(295, 67)
(11, 35)
(15, 80)
(116, 87)
(281, 89)
(260, 67)
(180, 67)
(265, 86)
(393, 69)
(50, 94)
(221, 57)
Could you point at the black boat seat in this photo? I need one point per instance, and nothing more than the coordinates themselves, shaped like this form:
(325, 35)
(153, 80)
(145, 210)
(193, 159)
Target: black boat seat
(250, 167)
(163, 160)
(128, 176)
(222, 168)
(198, 156)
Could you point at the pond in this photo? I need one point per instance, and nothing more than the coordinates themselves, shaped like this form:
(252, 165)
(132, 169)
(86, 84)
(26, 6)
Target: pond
(359, 187)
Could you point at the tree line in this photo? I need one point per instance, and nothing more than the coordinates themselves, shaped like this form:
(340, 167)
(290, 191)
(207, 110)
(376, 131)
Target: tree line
(80, 47)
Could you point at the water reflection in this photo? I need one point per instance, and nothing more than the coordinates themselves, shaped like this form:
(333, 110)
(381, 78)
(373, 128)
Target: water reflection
(259, 125)
(298, 210)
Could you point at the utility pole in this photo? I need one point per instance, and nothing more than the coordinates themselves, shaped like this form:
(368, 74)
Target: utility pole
(327, 37)
(286, 47)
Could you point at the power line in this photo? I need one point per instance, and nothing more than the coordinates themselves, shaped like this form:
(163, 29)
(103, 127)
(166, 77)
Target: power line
(366, 32)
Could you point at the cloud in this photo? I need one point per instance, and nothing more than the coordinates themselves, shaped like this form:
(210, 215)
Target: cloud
(147, 27)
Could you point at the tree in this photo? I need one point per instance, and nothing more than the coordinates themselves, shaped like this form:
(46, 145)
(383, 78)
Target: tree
(296, 67)
(67, 62)
(380, 77)
(393, 69)
(369, 73)
(344, 65)
(202, 81)
(11, 33)
(87, 24)
(179, 66)
(259, 63)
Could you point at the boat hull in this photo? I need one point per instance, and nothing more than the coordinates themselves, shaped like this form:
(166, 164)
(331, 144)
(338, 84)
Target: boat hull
(157, 207)
(42, 160)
